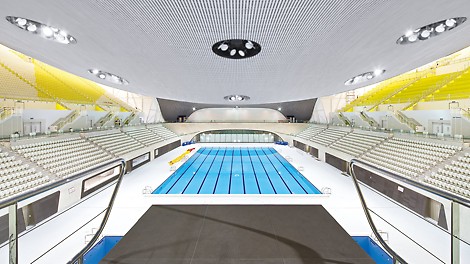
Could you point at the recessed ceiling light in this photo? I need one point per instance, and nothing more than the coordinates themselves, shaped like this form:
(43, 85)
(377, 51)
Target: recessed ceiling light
(431, 30)
(363, 77)
(413, 38)
(440, 28)
(223, 47)
(450, 22)
(47, 32)
(108, 76)
(31, 28)
(236, 48)
(376, 73)
(236, 98)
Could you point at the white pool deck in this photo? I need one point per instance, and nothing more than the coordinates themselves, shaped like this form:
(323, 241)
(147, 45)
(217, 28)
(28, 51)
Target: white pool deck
(57, 239)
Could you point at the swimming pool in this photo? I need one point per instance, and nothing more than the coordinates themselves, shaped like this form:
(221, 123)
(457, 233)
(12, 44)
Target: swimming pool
(235, 170)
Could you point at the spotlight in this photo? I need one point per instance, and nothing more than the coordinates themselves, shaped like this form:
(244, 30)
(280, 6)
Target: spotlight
(412, 38)
(279, 109)
(194, 108)
(364, 77)
(441, 28)
(21, 21)
(236, 97)
(425, 33)
(236, 48)
(428, 31)
(47, 31)
(32, 27)
(108, 76)
(223, 47)
(450, 22)
(43, 30)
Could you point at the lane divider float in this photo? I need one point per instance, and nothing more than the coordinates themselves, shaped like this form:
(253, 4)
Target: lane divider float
(180, 157)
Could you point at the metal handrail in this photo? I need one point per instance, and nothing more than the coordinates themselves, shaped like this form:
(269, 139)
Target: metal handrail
(454, 198)
(78, 258)
(22, 196)
(15, 199)
(395, 256)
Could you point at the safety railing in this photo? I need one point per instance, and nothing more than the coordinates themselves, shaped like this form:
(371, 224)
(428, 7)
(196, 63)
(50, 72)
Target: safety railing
(12, 204)
(459, 210)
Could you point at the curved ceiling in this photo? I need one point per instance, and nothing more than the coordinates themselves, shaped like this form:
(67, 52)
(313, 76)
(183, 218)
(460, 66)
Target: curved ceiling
(163, 48)
(301, 110)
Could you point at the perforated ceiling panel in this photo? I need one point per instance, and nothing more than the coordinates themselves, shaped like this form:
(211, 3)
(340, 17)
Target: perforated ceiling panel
(163, 48)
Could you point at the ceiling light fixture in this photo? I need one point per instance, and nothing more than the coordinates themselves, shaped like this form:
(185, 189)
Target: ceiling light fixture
(431, 30)
(43, 30)
(236, 98)
(363, 77)
(108, 76)
(236, 48)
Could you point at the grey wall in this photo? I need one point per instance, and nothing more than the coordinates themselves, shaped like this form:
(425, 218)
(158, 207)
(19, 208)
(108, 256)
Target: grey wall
(302, 110)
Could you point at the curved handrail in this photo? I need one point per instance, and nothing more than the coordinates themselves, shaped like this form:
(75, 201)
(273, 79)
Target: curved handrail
(454, 198)
(78, 258)
(12, 202)
(30, 193)
(395, 256)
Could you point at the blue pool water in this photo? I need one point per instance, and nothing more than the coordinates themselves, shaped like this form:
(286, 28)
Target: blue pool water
(228, 170)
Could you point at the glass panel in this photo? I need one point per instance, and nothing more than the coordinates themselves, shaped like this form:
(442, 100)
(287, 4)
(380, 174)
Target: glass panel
(464, 232)
(412, 231)
(245, 138)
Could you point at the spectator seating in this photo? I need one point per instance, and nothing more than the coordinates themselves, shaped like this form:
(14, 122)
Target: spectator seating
(328, 136)
(310, 132)
(162, 131)
(117, 142)
(409, 157)
(63, 157)
(16, 176)
(356, 144)
(454, 177)
(144, 136)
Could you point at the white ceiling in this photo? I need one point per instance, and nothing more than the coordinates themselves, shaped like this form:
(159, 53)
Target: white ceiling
(163, 48)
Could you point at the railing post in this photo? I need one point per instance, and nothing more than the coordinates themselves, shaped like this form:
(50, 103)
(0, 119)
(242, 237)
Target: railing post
(455, 233)
(13, 233)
